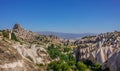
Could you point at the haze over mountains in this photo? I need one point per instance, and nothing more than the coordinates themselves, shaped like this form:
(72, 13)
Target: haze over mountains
(67, 35)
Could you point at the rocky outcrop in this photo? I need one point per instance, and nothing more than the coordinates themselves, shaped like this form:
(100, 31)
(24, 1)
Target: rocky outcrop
(21, 54)
(96, 55)
(33, 37)
(113, 63)
(18, 27)
(25, 35)
(36, 54)
(11, 60)
(98, 49)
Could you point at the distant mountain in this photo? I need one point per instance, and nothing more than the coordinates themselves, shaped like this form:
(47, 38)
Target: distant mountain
(66, 35)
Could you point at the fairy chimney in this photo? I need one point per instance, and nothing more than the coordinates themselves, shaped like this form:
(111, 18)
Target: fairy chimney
(9, 33)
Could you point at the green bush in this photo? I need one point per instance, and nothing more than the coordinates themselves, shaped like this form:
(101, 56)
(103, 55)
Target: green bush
(67, 57)
(67, 49)
(64, 57)
(71, 57)
(40, 65)
(97, 67)
(5, 34)
(89, 63)
(58, 66)
(71, 63)
(65, 67)
(13, 37)
(81, 66)
(54, 52)
(92, 66)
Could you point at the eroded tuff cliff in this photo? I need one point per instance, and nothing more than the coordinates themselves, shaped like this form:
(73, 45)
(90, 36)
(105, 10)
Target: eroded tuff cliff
(11, 60)
(17, 56)
(100, 49)
(113, 63)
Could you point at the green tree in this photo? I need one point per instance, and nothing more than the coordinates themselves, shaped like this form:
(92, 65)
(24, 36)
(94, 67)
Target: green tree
(5, 34)
(58, 66)
(53, 52)
(81, 66)
(67, 49)
(71, 57)
(13, 37)
(97, 67)
(65, 67)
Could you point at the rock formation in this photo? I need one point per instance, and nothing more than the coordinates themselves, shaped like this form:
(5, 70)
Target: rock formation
(113, 63)
(33, 37)
(18, 27)
(11, 60)
(23, 34)
(98, 49)
(22, 55)
(34, 53)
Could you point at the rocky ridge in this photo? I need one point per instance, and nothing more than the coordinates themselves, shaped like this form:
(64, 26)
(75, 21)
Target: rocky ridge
(11, 60)
(33, 37)
(99, 49)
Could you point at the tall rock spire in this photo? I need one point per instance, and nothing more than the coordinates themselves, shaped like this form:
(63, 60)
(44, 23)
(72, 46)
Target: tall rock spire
(9, 32)
(101, 56)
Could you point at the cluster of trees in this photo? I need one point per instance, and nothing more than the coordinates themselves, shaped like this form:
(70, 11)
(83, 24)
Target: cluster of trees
(72, 66)
(67, 61)
(53, 52)
(56, 52)
(67, 66)
(58, 66)
(92, 66)
(81, 66)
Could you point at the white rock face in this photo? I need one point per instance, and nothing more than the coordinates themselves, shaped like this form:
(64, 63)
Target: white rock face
(13, 64)
(11, 59)
(100, 56)
(96, 54)
(36, 54)
(113, 63)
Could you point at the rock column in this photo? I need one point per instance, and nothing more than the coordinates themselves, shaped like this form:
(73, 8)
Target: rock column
(9, 33)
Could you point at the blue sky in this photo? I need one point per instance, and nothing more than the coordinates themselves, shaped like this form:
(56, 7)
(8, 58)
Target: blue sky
(72, 16)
